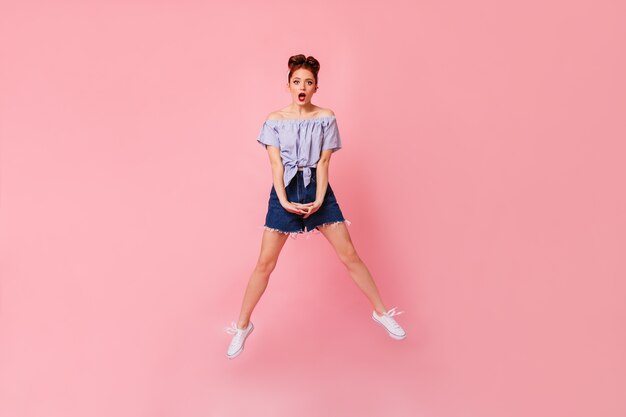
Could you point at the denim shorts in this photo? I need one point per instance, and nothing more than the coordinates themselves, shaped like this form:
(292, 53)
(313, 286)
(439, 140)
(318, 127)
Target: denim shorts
(280, 220)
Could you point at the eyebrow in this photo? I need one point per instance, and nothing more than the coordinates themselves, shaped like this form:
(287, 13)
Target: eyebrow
(308, 79)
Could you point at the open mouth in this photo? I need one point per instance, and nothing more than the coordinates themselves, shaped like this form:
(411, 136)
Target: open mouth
(301, 96)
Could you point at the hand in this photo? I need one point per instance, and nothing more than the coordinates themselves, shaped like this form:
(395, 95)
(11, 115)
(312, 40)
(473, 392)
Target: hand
(296, 208)
(309, 208)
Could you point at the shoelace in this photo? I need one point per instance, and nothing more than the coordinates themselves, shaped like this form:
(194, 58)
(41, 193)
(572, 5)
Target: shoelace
(393, 312)
(232, 329)
(388, 317)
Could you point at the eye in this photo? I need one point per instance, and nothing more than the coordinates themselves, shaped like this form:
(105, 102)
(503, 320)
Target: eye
(296, 82)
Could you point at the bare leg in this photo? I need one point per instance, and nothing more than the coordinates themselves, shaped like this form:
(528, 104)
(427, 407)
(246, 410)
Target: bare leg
(339, 237)
(271, 245)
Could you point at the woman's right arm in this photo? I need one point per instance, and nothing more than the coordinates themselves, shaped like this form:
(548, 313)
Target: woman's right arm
(277, 173)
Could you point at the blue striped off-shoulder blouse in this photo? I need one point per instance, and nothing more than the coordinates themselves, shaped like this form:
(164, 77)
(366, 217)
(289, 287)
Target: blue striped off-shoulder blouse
(301, 142)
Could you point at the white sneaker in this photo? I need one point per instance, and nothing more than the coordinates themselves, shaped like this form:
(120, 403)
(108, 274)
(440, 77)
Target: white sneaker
(386, 320)
(239, 338)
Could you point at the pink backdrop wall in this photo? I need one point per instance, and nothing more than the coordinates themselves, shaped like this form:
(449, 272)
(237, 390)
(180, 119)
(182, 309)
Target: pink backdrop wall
(482, 170)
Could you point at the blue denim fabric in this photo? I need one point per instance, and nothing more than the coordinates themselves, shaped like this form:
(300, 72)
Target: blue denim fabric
(280, 219)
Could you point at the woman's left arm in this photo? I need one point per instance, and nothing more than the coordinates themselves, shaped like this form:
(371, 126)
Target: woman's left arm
(321, 175)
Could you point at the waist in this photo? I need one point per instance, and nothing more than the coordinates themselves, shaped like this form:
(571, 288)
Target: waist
(302, 168)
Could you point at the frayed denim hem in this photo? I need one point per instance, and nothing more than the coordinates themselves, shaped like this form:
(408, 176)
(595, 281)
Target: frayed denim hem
(308, 233)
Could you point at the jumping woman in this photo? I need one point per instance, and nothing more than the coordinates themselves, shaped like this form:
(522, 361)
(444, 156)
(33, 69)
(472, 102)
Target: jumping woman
(300, 139)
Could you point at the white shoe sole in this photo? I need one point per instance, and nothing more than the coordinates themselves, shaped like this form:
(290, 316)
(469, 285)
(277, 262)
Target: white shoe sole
(234, 355)
(394, 336)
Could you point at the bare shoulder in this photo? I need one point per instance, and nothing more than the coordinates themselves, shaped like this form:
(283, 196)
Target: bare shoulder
(274, 116)
(326, 113)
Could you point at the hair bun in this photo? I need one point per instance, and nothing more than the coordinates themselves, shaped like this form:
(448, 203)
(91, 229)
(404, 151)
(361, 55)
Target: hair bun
(301, 61)
(296, 60)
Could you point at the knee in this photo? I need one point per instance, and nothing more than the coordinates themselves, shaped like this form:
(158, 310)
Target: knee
(265, 266)
(349, 257)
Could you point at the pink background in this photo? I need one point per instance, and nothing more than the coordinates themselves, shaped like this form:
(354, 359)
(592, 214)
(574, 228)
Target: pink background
(482, 170)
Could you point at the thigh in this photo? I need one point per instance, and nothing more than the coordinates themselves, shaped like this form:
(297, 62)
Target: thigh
(338, 236)
(271, 245)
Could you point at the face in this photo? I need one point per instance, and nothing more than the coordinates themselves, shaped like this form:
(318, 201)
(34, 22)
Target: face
(302, 82)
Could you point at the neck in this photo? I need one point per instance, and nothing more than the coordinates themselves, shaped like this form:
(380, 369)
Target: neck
(302, 110)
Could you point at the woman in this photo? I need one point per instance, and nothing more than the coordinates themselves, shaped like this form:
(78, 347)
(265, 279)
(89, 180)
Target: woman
(300, 139)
